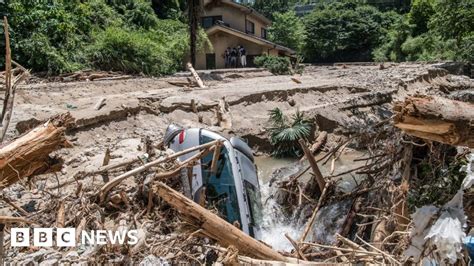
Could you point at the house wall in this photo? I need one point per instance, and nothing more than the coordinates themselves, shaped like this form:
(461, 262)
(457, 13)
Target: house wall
(221, 41)
(235, 17)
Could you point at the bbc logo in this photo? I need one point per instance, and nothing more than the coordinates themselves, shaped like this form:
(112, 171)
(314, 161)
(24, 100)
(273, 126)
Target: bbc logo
(66, 237)
(43, 237)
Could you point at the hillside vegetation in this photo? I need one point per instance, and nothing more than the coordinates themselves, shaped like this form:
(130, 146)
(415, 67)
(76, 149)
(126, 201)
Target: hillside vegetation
(350, 31)
(120, 35)
(150, 37)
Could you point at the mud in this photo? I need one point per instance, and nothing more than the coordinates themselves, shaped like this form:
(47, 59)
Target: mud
(339, 99)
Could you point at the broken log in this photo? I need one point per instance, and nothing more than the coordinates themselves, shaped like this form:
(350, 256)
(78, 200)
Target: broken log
(310, 223)
(196, 76)
(437, 119)
(99, 104)
(318, 143)
(314, 166)
(216, 227)
(8, 67)
(29, 154)
(223, 115)
(112, 183)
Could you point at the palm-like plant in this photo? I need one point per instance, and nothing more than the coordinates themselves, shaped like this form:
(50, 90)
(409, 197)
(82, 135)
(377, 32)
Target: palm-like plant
(285, 132)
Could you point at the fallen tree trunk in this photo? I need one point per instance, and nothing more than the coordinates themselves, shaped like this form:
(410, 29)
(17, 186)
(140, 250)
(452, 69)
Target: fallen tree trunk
(215, 227)
(318, 143)
(29, 154)
(196, 76)
(437, 119)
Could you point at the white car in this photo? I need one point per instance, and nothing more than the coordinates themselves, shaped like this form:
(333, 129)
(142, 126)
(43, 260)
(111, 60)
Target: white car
(234, 189)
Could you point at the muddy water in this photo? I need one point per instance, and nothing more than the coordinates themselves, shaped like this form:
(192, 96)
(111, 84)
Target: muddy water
(276, 225)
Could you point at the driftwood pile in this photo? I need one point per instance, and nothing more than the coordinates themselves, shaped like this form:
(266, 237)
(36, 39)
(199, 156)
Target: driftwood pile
(90, 75)
(173, 227)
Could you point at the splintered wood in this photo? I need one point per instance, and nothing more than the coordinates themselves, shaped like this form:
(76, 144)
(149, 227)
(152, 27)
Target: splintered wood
(11, 82)
(437, 119)
(196, 76)
(28, 155)
(215, 227)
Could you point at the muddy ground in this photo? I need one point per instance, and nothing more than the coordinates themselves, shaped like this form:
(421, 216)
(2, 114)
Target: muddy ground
(340, 99)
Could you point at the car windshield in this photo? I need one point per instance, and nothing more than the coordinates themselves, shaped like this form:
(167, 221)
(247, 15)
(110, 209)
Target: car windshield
(249, 173)
(253, 196)
(220, 186)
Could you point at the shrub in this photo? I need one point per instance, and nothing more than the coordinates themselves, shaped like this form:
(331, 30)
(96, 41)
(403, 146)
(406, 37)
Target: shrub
(123, 35)
(129, 51)
(276, 64)
(285, 133)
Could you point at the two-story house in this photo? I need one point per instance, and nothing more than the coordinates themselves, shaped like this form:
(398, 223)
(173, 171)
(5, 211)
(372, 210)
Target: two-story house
(229, 24)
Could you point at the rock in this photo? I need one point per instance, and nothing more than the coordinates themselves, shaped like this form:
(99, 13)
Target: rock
(38, 255)
(30, 206)
(463, 96)
(49, 262)
(72, 254)
(151, 260)
(456, 68)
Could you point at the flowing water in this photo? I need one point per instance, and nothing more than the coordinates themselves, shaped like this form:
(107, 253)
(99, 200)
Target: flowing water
(329, 219)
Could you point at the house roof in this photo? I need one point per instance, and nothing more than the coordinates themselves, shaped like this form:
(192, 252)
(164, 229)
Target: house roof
(250, 11)
(249, 37)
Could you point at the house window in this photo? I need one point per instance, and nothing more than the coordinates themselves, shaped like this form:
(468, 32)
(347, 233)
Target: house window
(250, 27)
(264, 33)
(207, 22)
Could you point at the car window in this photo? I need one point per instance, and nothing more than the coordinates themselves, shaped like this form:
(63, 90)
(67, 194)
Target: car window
(220, 186)
(254, 199)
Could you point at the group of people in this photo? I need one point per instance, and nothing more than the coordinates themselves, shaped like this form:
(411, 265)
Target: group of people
(235, 57)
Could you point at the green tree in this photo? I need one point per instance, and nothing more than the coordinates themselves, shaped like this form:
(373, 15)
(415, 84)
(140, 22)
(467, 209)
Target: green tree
(453, 19)
(288, 30)
(169, 9)
(345, 31)
(420, 14)
(58, 36)
(392, 41)
(268, 7)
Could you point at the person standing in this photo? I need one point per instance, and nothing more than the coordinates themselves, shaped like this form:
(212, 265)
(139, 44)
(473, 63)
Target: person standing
(227, 57)
(233, 57)
(243, 56)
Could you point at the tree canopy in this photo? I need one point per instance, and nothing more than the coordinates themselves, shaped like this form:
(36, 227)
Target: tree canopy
(288, 30)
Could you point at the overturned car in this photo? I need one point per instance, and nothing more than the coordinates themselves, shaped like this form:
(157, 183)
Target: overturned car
(233, 189)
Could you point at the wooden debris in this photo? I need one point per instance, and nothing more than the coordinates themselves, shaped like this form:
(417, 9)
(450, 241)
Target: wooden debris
(106, 159)
(112, 183)
(437, 119)
(295, 80)
(60, 217)
(311, 220)
(314, 166)
(182, 83)
(100, 104)
(90, 75)
(317, 145)
(14, 220)
(223, 115)
(28, 155)
(215, 158)
(11, 82)
(14, 205)
(196, 76)
(214, 226)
